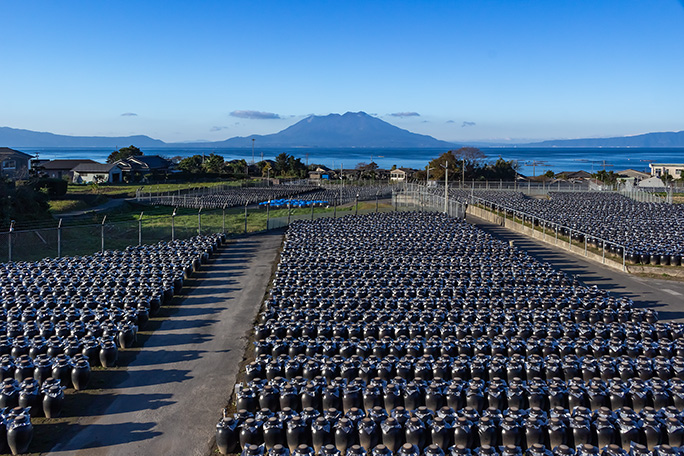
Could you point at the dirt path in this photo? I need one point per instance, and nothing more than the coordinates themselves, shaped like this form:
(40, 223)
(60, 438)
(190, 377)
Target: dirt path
(172, 393)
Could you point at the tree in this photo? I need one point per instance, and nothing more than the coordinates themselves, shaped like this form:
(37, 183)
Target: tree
(437, 166)
(607, 177)
(123, 153)
(192, 165)
(214, 164)
(550, 174)
(500, 170)
(281, 162)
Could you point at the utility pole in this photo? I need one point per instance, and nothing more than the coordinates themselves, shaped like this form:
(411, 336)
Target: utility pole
(427, 174)
(252, 150)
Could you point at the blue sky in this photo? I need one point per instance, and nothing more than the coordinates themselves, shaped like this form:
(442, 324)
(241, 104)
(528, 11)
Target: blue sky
(456, 70)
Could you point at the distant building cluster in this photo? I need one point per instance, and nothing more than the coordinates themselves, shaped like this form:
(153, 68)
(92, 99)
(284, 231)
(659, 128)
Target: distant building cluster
(16, 165)
(393, 175)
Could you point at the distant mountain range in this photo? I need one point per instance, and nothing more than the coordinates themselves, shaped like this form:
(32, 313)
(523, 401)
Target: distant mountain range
(648, 140)
(12, 137)
(352, 129)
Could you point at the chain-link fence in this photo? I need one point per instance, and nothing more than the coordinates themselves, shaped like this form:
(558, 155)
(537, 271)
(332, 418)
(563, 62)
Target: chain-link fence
(84, 239)
(168, 223)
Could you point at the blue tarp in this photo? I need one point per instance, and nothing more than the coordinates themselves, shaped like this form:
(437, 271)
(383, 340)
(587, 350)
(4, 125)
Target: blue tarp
(293, 203)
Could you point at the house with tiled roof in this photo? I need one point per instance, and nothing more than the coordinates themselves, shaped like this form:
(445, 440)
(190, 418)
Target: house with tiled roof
(110, 173)
(14, 164)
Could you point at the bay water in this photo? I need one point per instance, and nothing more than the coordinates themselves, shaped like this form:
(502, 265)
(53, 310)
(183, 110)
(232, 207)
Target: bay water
(532, 161)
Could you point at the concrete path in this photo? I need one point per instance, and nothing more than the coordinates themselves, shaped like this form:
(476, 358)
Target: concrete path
(172, 393)
(665, 296)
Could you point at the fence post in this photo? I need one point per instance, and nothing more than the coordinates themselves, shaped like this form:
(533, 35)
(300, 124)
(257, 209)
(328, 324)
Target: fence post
(556, 230)
(289, 204)
(245, 218)
(140, 229)
(199, 221)
(102, 236)
(603, 251)
(335, 207)
(357, 204)
(224, 218)
(268, 214)
(376, 202)
(9, 240)
(312, 210)
(173, 224)
(59, 239)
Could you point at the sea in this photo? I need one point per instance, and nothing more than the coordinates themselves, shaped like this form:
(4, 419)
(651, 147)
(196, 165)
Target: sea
(531, 161)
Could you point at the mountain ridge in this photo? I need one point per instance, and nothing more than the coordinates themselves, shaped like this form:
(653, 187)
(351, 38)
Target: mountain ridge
(646, 140)
(348, 130)
(352, 129)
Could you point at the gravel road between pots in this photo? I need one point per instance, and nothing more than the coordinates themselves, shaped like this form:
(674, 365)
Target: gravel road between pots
(171, 395)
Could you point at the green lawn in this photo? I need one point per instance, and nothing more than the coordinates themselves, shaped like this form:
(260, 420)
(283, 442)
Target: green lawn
(67, 205)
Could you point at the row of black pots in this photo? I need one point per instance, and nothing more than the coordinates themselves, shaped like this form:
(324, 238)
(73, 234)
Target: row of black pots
(16, 430)
(70, 370)
(464, 367)
(46, 399)
(100, 344)
(458, 450)
(521, 428)
(477, 394)
(450, 346)
(237, 196)
(416, 324)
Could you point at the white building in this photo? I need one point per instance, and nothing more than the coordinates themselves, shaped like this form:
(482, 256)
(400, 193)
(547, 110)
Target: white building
(86, 173)
(676, 170)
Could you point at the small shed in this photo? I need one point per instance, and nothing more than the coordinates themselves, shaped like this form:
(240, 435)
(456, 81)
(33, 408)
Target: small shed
(652, 182)
(86, 173)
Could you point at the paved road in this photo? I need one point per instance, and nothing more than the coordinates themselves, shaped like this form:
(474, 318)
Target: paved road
(666, 296)
(173, 391)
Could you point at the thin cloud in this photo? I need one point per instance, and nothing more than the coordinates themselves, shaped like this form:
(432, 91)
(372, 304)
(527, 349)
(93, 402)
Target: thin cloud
(450, 121)
(258, 115)
(468, 124)
(215, 128)
(405, 114)
(129, 114)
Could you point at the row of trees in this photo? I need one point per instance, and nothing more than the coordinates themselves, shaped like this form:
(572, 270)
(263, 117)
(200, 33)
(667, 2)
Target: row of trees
(283, 166)
(468, 163)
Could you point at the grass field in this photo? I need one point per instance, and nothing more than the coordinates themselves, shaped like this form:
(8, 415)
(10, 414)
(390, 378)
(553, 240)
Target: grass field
(123, 227)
